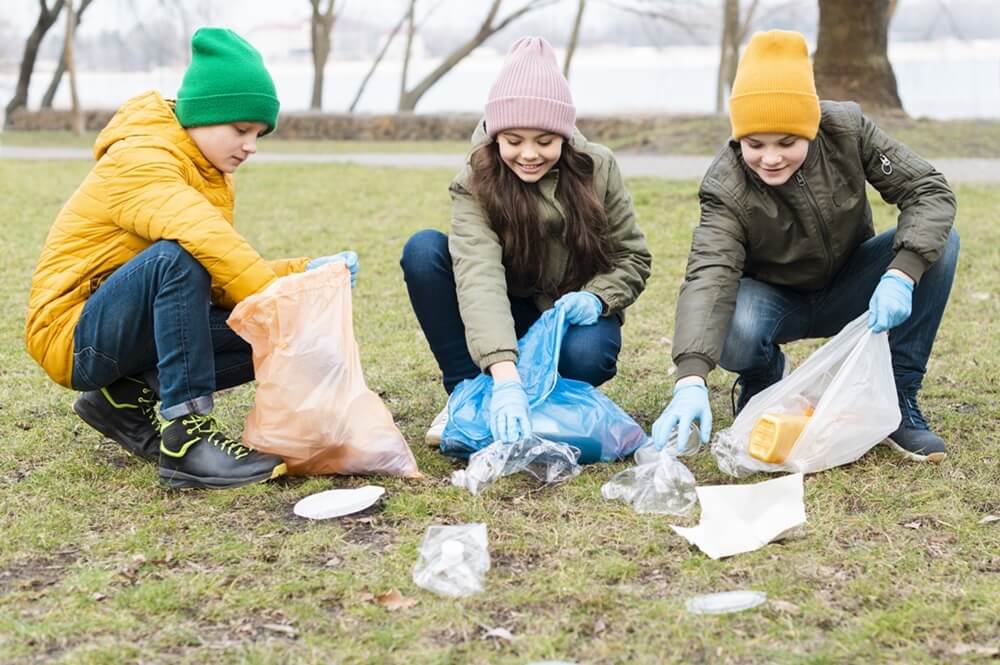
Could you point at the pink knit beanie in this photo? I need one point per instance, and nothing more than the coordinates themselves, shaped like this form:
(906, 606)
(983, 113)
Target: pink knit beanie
(531, 92)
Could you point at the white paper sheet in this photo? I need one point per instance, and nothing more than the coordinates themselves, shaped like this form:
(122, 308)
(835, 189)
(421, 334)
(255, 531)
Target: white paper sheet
(743, 518)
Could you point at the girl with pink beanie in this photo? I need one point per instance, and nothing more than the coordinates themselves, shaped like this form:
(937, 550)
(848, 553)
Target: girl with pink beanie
(540, 218)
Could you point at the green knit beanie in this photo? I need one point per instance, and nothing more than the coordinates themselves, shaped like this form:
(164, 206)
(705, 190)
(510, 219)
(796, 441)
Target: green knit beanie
(225, 82)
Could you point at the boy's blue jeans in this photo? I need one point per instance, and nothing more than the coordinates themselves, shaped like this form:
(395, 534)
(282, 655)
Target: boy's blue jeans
(589, 353)
(767, 315)
(154, 315)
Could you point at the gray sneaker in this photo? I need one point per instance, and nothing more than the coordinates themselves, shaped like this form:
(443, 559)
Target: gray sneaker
(913, 439)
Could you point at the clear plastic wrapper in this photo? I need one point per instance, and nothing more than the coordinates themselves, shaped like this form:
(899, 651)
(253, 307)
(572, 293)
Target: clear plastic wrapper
(849, 384)
(661, 484)
(725, 602)
(546, 461)
(453, 560)
(648, 453)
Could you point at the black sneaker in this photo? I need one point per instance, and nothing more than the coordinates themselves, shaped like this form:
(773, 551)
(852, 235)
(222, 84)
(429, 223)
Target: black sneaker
(914, 439)
(750, 387)
(124, 412)
(195, 453)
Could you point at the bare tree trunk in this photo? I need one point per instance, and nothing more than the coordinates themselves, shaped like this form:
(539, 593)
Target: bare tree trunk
(321, 26)
(852, 54)
(412, 27)
(71, 69)
(376, 62)
(50, 92)
(408, 100)
(574, 37)
(734, 33)
(46, 17)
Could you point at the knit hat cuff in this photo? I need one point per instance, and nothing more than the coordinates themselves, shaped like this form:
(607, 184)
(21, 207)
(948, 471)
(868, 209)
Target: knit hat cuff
(225, 108)
(775, 112)
(530, 113)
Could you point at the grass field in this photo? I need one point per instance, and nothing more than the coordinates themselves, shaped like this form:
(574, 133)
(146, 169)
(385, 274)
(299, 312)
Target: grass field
(686, 135)
(98, 564)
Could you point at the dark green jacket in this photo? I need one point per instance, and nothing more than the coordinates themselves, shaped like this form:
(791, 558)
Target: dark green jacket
(801, 233)
(477, 255)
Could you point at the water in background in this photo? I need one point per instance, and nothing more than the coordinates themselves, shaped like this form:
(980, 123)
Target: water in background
(944, 79)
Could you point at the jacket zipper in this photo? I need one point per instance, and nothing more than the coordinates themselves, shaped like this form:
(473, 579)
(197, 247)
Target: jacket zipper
(886, 164)
(823, 231)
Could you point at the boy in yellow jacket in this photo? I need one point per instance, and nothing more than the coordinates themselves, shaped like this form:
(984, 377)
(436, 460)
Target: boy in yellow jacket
(142, 266)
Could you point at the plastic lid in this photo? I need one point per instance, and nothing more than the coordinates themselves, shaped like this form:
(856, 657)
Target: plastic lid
(723, 603)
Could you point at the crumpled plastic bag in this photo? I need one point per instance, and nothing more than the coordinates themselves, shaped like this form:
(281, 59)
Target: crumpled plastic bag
(453, 560)
(562, 410)
(546, 461)
(658, 483)
(312, 406)
(849, 384)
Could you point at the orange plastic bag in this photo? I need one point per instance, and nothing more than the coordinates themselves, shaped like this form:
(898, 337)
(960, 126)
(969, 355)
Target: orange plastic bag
(312, 406)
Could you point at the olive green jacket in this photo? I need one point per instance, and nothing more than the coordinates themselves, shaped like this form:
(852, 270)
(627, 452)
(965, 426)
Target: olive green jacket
(801, 233)
(477, 255)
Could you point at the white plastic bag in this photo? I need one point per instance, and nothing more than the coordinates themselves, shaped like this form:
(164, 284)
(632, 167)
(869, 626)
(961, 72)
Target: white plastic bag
(453, 560)
(849, 384)
(547, 461)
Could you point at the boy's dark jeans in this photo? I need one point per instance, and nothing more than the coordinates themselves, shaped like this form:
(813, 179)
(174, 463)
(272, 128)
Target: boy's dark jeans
(767, 315)
(589, 353)
(154, 314)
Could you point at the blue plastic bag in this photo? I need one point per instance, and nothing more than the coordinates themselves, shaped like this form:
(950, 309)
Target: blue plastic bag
(562, 410)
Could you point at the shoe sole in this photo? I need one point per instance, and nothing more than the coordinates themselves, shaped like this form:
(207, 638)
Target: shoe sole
(95, 420)
(934, 458)
(180, 480)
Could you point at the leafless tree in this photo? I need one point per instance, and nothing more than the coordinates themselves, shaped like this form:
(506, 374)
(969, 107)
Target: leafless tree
(411, 28)
(734, 32)
(377, 61)
(71, 68)
(490, 25)
(852, 54)
(574, 37)
(50, 92)
(321, 24)
(46, 18)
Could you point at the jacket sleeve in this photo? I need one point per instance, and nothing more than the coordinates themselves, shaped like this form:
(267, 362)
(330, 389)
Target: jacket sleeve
(148, 195)
(481, 282)
(708, 295)
(282, 267)
(926, 202)
(620, 287)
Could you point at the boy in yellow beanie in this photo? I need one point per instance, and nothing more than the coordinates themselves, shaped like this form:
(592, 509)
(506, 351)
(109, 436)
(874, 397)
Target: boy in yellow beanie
(140, 270)
(786, 250)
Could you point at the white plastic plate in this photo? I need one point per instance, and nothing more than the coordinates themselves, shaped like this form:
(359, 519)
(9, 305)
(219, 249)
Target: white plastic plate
(337, 503)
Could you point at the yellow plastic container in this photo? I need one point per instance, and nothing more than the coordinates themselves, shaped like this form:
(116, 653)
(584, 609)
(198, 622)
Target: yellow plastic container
(774, 435)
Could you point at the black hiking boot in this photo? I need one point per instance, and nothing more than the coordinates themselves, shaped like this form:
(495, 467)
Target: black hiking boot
(124, 412)
(751, 386)
(913, 439)
(194, 452)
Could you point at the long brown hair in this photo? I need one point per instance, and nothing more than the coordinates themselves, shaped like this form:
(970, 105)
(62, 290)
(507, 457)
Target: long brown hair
(511, 206)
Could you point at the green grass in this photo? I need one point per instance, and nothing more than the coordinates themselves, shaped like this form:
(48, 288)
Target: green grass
(685, 135)
(98, 564)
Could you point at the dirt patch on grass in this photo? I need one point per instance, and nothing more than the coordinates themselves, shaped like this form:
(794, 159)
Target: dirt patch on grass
(36, 574)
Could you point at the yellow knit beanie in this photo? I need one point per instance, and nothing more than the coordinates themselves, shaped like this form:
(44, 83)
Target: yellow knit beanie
(774, 91)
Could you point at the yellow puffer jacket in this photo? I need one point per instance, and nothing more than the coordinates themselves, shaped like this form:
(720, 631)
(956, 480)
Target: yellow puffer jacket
(150, 183)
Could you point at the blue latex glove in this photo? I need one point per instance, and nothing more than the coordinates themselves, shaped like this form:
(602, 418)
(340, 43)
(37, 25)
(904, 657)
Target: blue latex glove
(583, 308)
(510, 418)
(891, 303)
(690, 403)
(349, 258)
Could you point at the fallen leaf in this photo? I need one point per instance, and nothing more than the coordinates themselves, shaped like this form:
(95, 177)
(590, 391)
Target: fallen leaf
(498, 633)
(912, 525)
(666, 341)
(989, 519)
(979, 295)
(393, 600)
(98, 596)
(977, 649)
(280, 628)
(365, 596)
(599, 626)
(785, 607)
(332, 563)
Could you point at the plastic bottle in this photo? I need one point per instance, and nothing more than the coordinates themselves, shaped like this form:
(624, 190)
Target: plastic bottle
(774, 435)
